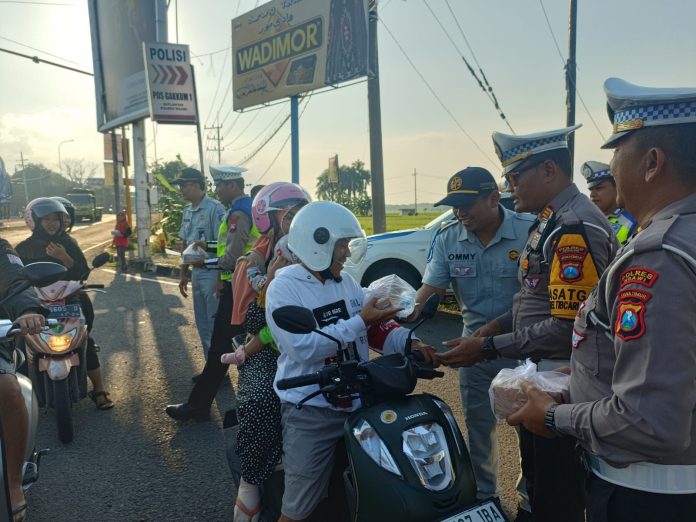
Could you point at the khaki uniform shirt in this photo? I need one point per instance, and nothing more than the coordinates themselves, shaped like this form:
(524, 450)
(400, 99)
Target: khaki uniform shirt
(633, 381)
(570, 244)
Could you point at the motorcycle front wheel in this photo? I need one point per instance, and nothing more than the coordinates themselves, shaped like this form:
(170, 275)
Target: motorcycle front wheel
(63, 406)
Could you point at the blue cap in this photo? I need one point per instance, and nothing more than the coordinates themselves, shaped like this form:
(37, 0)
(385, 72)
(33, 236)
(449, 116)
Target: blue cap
(513, 149)
(466, 185)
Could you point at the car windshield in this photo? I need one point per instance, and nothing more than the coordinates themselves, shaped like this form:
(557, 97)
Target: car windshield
(435, 223)
(80, 199)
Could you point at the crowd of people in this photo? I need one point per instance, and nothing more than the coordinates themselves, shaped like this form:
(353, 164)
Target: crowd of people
(602, 287)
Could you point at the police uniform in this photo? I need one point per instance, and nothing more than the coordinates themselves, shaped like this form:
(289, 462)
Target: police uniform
(623, 223)
(484, 279)
(201, 224)
(569, 246)
(633, 380)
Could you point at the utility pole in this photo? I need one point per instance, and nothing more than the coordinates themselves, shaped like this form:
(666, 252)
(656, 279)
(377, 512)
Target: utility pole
(24, 177)
(571, 77)
(216, 138)
(379, 215)
(415, 193)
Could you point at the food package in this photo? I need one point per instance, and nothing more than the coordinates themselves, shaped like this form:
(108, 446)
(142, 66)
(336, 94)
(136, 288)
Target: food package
(397, 291)
(193, 253)
(506, 392)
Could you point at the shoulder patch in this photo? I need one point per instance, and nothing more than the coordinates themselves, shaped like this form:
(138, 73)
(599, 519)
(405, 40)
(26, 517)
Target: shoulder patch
(630, 311)
(638, 275)
(573, 275)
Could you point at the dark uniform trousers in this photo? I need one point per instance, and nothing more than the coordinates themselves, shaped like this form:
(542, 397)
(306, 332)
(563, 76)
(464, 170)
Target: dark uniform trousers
(214, 371)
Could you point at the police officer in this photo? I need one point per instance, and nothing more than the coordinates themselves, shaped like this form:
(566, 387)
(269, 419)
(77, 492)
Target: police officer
(199, 224)
(633, 390)
(25, 309)
(236, 235)
(477, 255)
(602, 187)
(569, 245)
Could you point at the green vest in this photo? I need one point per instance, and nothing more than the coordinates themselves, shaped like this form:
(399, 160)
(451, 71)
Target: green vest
(222, 242)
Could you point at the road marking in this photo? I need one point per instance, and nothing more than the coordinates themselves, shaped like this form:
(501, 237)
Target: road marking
(139, 278)
(98, 245)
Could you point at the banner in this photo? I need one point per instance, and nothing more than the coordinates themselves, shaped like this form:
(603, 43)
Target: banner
(288, 47)
(169, 83)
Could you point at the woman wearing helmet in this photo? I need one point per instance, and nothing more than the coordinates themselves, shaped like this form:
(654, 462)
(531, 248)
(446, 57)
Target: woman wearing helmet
(319, 236)
(46, 218)
(67, 223)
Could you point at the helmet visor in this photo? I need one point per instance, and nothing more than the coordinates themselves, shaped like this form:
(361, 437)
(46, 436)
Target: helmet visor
(358, 248)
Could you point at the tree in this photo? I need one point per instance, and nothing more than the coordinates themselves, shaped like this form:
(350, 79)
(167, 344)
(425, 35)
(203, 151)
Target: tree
(77, 170)
(351, 189)
(40, 182)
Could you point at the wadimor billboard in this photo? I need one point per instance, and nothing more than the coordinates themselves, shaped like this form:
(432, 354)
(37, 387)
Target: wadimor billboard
(288, 47)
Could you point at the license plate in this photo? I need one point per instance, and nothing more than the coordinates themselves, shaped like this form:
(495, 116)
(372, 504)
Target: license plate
(61, 311)
(487, 511)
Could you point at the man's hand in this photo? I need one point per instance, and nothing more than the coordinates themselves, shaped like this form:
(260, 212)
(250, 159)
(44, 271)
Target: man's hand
(415, 314)
(376, 310)
(183, 282)
(200, 263)
(30, 323)
(465, 351)
(531, 415)
(429, 353)
(489, 329)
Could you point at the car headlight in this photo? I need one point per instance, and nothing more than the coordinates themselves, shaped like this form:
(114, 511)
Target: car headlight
(372, 444)
(358, 247)
(58, 343)
(451, 420)
(425, 446)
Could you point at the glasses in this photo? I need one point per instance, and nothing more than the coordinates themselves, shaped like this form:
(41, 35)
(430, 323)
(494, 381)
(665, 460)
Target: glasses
(516, 175)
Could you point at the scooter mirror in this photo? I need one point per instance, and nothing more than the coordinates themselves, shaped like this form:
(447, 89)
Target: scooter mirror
(430, 307)
(43, 273)
(100, 260)
(295, 319)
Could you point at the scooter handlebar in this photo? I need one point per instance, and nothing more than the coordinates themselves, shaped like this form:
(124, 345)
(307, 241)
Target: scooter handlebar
(297, 382)
(95, 286)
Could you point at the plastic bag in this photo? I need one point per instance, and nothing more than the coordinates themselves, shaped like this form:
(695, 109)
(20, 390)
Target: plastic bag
(193, 253)
(396, 290)
(116, 233)
(506, 388)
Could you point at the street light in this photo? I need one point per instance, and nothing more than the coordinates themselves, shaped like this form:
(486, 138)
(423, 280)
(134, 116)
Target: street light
(60, 165)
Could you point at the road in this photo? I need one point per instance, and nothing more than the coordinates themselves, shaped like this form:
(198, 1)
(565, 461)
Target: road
(133, 463)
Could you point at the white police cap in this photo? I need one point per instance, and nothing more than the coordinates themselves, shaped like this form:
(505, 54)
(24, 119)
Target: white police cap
(595, 172)
(512, 150)
(632, 107)
(225, 172)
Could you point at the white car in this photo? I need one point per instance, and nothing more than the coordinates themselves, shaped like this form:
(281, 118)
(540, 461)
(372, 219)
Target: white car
(403, 252)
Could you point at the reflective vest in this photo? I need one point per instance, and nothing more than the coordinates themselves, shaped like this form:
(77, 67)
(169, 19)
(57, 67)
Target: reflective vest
(242, 204)
(623, 224)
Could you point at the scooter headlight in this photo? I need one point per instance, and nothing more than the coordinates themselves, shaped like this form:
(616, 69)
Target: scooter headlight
(447, 411)
(372, 444)
(58, 343)
(425, 446)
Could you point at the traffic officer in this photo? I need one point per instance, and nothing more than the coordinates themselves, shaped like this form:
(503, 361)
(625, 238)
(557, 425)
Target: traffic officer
(571, 243)
(477, 255)
(633, 391)
(235, 237)
(199, 224)
(602, 187)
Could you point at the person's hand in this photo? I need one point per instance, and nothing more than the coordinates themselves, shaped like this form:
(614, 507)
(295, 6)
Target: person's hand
(30, 323)
(183, 282)
(429, 353)
(277, 263)
(465, 351)
(200, 263)
(491, 328)
(201, 244)
(238, 357)
(218, 288)
(415, 314)
(532, 414)
(376, 310)
(58, 251)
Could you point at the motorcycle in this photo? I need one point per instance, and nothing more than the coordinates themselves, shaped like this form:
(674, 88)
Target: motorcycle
(36, 274)
(407, 459)
(56, 358)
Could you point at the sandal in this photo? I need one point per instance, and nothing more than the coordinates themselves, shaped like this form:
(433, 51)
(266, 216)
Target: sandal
(20, 514)
(244, 514)
(105, 403)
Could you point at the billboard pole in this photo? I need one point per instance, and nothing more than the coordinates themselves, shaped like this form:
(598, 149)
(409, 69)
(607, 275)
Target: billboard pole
(117, 177)
(379, 216)
(198, 121)
(295, 138)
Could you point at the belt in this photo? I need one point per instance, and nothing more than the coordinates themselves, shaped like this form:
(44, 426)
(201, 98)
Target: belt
(546, 365)
(647, 476)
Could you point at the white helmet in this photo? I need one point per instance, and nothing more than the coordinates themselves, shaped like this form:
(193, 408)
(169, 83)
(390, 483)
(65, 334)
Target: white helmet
(315, 230)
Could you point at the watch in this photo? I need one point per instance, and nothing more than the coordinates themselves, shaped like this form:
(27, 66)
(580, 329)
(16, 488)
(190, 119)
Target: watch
(550, 419)
(489, 352)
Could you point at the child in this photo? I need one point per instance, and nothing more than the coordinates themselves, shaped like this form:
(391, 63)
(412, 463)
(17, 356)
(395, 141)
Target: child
(121, 233)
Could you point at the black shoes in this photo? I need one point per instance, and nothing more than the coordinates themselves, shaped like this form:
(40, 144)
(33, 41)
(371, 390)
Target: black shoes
(185, 411)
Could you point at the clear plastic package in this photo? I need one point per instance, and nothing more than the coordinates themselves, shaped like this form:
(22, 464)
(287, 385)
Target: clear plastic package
(397, 291)
(506, 392)
(193, 253)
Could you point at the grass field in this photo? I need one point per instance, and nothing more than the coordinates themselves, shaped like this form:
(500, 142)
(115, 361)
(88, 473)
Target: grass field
(397, 222)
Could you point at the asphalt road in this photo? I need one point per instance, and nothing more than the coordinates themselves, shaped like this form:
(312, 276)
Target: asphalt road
(133, 463)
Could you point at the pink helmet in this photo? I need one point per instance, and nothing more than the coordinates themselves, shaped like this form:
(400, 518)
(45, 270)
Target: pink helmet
(276, 196)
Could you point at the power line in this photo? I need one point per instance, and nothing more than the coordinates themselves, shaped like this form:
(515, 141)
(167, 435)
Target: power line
(563, 60)
(35, 3)
(217, 89)
(439, 100)
(263, 131)
(210, 53)
(240, 134)
(36, 59)
(38, 50)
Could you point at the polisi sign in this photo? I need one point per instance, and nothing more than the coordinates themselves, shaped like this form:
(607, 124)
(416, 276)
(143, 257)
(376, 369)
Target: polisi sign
(170, 83)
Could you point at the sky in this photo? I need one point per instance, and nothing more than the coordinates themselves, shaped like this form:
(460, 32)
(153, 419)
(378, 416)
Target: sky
(434, 129)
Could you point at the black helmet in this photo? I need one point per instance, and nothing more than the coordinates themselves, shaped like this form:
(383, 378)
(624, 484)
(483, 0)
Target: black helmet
(67, 223)
(41, 207)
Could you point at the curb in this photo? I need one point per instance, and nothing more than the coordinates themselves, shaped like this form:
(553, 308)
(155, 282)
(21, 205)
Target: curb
(154, 268)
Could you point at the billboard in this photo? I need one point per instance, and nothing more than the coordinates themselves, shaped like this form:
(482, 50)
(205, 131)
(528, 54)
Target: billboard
(118, 30)
(170, 83)
(288, 47)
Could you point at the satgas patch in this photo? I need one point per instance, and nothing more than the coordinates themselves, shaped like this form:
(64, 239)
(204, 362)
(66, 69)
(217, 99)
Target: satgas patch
(638, 275)
(630, 312)
(532, 282)
(573, 275)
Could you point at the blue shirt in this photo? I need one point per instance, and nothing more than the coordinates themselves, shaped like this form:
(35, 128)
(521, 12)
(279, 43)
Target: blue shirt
(201, 223)
(484, 279)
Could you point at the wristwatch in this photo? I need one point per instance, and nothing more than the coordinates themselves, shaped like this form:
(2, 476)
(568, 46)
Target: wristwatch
(489, 352)
(550, 419)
